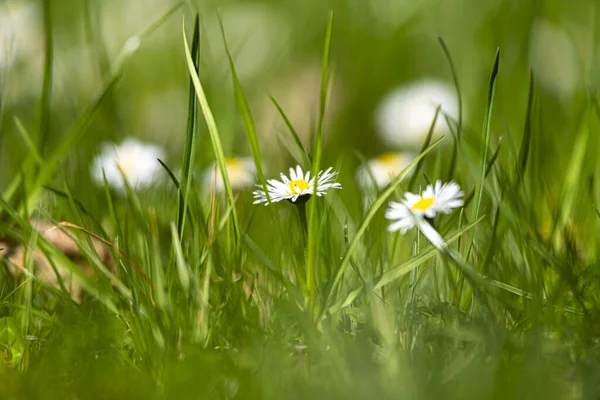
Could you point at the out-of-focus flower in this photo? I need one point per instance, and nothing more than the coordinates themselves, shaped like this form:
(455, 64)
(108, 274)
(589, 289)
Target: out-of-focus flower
(298, 188)
(412, 211)
(240, 171)
(380, 170)
(404, 116)
(554, 58)
(137, 160)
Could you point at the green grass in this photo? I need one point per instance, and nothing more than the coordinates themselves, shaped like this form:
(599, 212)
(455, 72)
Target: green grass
(214, 297)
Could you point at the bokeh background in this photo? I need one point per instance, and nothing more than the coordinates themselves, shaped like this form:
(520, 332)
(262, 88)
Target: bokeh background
(277, 46)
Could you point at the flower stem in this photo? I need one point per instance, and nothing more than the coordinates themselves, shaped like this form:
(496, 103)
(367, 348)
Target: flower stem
(301, 207)
(309, 274)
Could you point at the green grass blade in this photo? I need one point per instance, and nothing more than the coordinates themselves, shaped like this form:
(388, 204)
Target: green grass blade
(456, 141)
(182, 268)
(33, 151)
(45, 99)
(313, 240)
(244, 109)
(487, 130)
(189, 152)
(570, 189)
(526, 141)
(213, 133)
(410, 264)
(292, 132)
(426, 143)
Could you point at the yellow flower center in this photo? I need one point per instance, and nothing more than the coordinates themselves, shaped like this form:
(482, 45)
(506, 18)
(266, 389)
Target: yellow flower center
(234, 163)
(297, 187)
(388, 159)
(423, 204)
(126, 163)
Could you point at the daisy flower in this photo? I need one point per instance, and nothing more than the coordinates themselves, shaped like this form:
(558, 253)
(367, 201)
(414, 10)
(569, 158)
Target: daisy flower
(297, 188)
(414, 209)
(405, 115)
(241, 173)
(380, 170)
(137, 160)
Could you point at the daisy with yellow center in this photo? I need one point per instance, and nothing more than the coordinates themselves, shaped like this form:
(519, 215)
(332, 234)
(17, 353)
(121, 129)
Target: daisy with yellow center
(414, 209)
(297, 188)
(241, 173)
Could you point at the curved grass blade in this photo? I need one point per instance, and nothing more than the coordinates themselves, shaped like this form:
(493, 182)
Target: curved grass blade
(191, 137)
(214, 135)
(244, 109)
(487, 128)
(426, 143)
(292, 131)
(526, 141)
(456, 138)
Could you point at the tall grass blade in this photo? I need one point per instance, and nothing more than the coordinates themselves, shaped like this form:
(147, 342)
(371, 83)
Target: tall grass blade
(189, 152)
(292, 132)
(487, 130)
(214, 135)
(456, 139)
(313, 240)
(527, 131)
(244, 109)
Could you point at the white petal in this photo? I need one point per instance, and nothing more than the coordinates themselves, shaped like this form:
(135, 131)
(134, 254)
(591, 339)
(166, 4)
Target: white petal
(299, 174)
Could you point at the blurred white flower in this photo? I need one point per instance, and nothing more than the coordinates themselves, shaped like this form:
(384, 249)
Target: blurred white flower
(298, 188)
(240, 171)
(554, 58)
(379, 171)
(137, 160)
(412, 211)
(404, 116)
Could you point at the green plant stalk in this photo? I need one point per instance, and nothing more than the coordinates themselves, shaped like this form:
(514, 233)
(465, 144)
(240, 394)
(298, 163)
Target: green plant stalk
(313, 239)
(214, 137)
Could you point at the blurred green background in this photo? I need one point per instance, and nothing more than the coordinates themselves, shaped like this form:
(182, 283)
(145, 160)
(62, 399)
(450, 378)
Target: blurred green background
(498, 346)
(277, 47)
